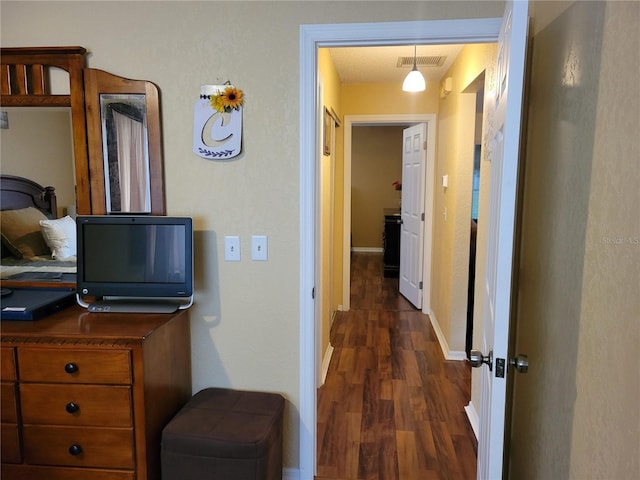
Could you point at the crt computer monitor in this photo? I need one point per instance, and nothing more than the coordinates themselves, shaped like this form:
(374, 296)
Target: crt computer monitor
(135, 258)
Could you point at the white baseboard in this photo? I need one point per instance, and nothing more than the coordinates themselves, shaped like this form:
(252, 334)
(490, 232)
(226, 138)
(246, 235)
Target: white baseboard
(474, 420)
(326, 360)
(367, 249)
(444, 346)
(290, 474)
(457, 355)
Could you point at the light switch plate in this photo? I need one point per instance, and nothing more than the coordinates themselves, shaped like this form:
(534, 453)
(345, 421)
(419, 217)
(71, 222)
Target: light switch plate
(259, 248)
(232, 248)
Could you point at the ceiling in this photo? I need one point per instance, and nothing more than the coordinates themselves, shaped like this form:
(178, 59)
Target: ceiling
(379, 64)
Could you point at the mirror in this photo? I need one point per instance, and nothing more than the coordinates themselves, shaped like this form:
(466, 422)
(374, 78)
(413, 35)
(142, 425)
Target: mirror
(37, 144)
(125, 145)
(28, 80)
(126, 154)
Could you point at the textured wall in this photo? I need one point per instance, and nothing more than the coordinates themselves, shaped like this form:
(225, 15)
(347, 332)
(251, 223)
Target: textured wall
(606, 380)
(575, 412)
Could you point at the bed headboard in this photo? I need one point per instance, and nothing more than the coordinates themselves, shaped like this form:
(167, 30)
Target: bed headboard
(18, 192)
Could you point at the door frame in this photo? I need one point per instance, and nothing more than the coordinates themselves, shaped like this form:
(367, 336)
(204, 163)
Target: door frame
(407, 119)
(312, 37)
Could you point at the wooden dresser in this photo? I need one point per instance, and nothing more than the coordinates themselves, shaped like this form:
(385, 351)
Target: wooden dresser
(86, 395)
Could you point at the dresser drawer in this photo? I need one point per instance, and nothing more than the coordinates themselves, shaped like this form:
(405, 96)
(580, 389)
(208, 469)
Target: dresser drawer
(8, 403)
(32, 472)
(80, 405)
(10, 446)
(7, 364)
(74, 366)
(94, 447)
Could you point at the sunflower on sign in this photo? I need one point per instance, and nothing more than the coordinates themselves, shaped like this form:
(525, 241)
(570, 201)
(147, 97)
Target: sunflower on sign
(229, 99)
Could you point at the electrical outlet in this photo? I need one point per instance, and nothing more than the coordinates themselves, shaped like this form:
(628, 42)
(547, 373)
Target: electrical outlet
(232, 249)
(259, 247)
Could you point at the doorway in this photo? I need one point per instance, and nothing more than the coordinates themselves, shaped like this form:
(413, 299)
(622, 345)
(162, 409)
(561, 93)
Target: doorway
(476, 90)
(311, 38)
(387, 119)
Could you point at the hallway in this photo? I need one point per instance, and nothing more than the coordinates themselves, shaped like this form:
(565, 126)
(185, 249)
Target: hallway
(391, 406)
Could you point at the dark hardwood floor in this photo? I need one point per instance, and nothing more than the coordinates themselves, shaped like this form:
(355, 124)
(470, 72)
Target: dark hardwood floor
(391, 406)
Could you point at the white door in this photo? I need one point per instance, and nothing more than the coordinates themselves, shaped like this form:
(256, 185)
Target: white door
(414, 158)
(504, 108)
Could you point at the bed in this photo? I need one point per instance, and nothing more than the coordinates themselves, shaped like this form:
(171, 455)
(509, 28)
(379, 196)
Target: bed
(37, 247)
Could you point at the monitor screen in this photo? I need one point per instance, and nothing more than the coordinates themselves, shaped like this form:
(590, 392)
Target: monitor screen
(135, 256)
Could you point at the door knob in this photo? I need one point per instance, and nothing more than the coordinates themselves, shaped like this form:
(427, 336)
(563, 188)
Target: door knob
(476, 359)
(520, 362)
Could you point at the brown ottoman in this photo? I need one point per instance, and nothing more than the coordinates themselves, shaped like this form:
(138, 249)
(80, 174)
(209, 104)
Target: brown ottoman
(225, 434)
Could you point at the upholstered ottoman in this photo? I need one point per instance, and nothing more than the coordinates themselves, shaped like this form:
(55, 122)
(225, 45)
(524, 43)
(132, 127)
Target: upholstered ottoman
(227, 435)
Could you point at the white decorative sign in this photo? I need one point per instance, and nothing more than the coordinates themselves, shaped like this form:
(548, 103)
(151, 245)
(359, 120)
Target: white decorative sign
(217, 122)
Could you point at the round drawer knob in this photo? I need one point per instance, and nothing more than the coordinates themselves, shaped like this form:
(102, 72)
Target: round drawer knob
(71, 368)
(72, 407)
(75, 450)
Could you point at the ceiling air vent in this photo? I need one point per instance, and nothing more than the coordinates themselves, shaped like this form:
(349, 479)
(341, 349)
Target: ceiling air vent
(428, 61)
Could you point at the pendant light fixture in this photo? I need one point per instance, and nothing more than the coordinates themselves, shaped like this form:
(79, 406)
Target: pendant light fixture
(414, 81)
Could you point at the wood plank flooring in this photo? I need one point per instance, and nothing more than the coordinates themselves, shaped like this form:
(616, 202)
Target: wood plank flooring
(391, 406)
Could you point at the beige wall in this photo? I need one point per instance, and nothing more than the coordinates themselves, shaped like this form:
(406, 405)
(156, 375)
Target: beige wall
(456, 138)
(576, 412)
(386, 98)
(245, 323)
(37, 137)
(376, 162)
(330, 206)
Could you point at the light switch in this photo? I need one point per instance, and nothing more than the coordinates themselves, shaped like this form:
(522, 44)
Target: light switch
(259, 247)
(232, 249)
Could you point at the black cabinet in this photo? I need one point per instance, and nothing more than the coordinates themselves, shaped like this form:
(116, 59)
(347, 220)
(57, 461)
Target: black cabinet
(391, 242)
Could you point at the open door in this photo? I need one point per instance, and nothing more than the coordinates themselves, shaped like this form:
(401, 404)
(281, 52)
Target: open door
(503, 107)
(414, 159)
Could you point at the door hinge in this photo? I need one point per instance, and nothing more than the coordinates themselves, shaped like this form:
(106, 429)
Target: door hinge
(424, 145)
(423, 216)
(420, 285)
(313, 293)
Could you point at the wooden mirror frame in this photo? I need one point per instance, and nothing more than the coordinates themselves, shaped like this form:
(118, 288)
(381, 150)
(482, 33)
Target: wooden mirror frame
(25, 83)
(96, 83)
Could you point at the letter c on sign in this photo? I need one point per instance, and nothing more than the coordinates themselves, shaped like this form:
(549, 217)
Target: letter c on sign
(216, 123)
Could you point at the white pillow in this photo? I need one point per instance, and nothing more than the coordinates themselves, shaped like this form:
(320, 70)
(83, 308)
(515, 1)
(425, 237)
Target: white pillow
(60, 236)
